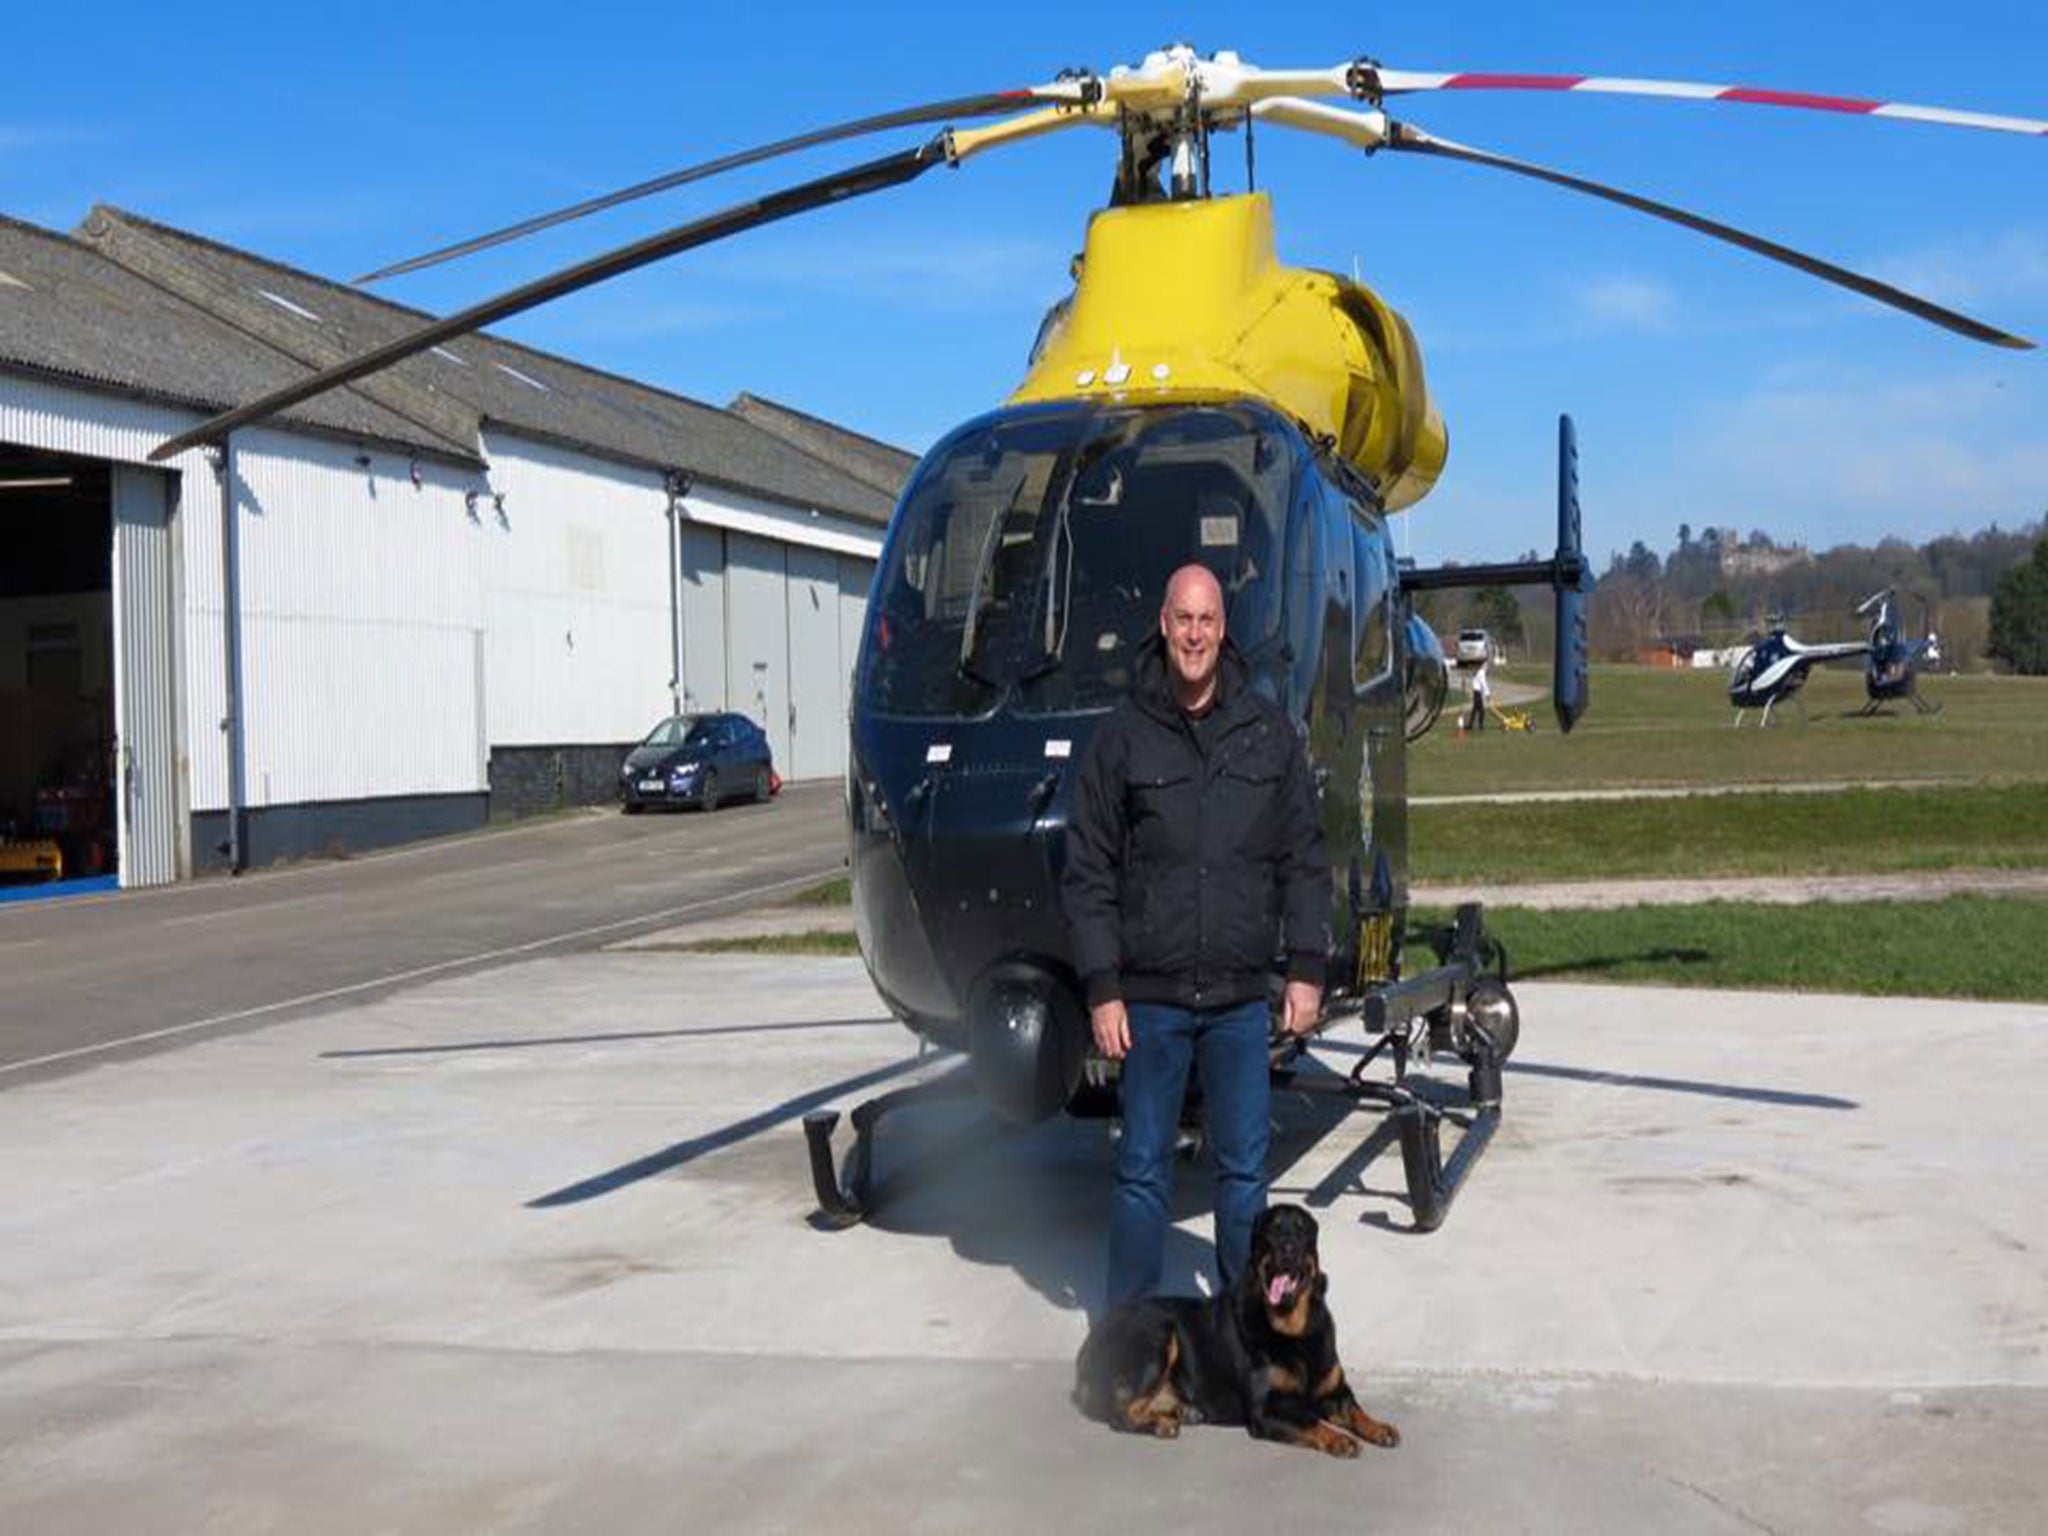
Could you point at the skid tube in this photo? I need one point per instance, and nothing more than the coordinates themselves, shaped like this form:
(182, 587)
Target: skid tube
(848, 1194)
(1465, 1004)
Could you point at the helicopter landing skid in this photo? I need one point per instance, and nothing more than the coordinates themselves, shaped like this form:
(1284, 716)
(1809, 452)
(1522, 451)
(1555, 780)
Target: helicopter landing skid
(1465, 1006)
(848, 1194)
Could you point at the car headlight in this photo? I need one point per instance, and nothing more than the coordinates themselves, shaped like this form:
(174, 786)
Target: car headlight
(683, 770)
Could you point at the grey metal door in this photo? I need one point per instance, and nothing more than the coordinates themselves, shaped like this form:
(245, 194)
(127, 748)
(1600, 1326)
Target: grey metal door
(757, 638)
(817, 714)
(145, 716)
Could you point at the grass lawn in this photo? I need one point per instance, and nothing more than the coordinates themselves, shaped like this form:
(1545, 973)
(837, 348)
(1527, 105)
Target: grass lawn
(1653, 726)
(1851, 831)
(1964, 946)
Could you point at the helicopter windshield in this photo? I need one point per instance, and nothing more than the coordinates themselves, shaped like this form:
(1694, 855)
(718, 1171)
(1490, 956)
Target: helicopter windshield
(1032, 553)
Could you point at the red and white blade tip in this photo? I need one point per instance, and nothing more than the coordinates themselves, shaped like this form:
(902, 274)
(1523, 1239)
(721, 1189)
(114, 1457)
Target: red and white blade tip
(1398, 82)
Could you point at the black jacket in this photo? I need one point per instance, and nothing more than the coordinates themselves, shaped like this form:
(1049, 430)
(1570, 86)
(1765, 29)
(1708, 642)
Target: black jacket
(1183, 869)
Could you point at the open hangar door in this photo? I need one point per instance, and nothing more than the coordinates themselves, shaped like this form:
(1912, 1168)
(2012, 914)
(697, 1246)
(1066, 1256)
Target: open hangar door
(57, 812)
(84, 555)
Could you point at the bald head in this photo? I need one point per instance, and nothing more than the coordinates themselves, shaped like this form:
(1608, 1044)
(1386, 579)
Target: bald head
(1194, 582)
(1191, 620)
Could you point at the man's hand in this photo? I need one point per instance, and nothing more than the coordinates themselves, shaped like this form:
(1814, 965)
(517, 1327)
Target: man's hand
(1298, 1014)
(1112, 1028)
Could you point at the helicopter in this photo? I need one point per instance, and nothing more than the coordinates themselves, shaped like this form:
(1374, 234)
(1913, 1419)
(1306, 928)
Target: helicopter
(1893, 671)
(1191, 399)
(1776, 667)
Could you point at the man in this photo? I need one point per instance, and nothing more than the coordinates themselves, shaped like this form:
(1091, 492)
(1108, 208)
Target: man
(1480, 698)
(1194, 842)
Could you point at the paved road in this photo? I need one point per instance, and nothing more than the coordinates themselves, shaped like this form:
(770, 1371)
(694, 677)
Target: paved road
(86, 979)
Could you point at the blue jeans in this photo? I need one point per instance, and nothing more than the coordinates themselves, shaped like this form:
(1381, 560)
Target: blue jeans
(1227, 1047)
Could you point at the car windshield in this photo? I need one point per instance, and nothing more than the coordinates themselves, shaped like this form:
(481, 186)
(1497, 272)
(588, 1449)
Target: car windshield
(680, 730)
(1032, 553)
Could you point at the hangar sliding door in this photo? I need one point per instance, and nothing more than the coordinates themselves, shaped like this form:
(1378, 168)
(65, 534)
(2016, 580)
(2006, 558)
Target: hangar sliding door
(145, 720)
(817, 712)
(703, 599)
(757, 638)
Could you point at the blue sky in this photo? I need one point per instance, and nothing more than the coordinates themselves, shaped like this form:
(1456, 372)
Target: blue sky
(1709, 387)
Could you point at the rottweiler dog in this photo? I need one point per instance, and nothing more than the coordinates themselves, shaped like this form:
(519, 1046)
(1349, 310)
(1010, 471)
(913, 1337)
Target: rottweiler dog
(1262, 1354)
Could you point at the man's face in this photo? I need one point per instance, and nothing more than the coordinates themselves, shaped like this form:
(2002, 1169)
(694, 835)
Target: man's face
(1192, 622)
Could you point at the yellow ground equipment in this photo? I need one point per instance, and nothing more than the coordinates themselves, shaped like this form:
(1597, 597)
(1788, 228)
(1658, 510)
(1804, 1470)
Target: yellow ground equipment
(34, 859)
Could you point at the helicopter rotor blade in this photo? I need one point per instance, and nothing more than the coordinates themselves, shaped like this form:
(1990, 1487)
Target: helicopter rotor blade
(989, 105)
(1400, 136)
(1401, 82)
(857, 181)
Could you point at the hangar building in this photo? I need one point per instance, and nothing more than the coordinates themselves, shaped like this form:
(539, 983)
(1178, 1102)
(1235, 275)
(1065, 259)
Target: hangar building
(457, 588)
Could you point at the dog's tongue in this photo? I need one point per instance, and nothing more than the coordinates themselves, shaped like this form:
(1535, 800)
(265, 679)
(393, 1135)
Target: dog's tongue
(1278, 1289)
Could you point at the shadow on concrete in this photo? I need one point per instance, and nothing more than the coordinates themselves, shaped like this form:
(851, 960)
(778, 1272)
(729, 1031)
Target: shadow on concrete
(681, 1152)
(1036, 1201)
(1782, 1097)
(605, 1039)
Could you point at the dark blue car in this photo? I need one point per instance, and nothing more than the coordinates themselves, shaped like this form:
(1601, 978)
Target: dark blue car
(698, 760)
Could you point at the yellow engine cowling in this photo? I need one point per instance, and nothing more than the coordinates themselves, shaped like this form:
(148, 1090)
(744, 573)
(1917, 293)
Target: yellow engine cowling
(1187, 302)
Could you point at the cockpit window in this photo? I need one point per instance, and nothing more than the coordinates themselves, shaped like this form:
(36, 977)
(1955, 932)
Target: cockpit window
(1032, 554)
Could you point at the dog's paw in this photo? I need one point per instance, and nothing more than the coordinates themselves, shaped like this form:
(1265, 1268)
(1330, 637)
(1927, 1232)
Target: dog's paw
(1379, 1433)
(1166, 1427)
(1332, 1441)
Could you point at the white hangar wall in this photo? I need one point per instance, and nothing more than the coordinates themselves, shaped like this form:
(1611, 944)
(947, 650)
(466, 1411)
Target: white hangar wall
(363, 613)
(410, 658)
(580, 643)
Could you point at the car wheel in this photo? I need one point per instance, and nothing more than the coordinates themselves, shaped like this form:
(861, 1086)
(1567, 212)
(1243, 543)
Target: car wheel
(760, 785)
(632, 807)
(708, 796)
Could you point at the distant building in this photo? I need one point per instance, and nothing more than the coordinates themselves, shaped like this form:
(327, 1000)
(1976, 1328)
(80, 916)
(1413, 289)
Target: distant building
(456, 588)
(1762, 559)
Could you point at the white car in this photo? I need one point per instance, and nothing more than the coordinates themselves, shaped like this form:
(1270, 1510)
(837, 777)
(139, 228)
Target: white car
(1474, 646)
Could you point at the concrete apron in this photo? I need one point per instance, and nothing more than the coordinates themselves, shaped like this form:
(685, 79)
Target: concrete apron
(528, 1249)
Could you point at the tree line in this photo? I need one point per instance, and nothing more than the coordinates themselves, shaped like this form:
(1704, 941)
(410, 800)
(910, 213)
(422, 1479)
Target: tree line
(1985, 594)
(1723, 588)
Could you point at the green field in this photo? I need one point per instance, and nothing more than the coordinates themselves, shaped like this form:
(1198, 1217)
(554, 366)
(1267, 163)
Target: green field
(1967, 788)
(1965, 946)
(1852, 831)
(1656, 727)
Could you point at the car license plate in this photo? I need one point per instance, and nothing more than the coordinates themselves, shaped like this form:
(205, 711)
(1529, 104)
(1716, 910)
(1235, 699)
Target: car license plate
(650, 786)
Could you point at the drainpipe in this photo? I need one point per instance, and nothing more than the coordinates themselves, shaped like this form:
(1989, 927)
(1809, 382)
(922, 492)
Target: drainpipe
(678, 487)
(231, 647)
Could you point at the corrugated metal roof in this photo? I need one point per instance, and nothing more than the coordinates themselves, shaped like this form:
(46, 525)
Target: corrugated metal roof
(67, 313)
(874, 463)
(482, 378)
